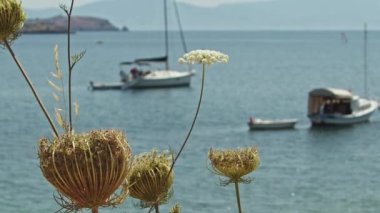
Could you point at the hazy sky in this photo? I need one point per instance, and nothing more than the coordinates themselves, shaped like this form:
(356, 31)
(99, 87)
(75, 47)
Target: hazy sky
(54, 3)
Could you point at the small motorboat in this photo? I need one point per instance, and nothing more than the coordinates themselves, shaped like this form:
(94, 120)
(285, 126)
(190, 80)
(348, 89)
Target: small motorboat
(266, 124)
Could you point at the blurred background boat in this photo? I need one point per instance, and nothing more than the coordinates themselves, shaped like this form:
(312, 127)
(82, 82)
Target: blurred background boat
(330, 106)
(267, 124)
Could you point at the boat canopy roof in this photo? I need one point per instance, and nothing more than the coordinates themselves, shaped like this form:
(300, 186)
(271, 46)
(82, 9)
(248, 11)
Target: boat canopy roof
(331, 93)
(146, 61)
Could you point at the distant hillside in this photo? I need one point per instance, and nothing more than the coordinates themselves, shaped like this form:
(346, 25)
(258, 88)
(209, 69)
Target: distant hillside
(58, 24)
(260, 15)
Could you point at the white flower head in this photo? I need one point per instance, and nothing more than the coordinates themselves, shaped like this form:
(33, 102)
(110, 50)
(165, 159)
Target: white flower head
(203, 57)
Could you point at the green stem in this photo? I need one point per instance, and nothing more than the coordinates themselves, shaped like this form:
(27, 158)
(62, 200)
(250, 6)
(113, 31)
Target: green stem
(192, 125)
(191, 128)
(40, 103)
(69, 62)
(156, 207)
(238, 196)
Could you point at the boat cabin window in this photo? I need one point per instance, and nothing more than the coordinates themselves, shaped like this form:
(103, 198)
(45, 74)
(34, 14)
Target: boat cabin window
(337, 107)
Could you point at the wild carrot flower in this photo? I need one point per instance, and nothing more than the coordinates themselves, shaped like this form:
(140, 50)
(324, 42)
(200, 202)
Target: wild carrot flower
(86, 169)
(234, 165)
(12, 17)
(204, 57)
(150, 181)
(201, 57)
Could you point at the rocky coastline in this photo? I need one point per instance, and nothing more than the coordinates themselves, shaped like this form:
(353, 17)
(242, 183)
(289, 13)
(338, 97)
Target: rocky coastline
(58, 24)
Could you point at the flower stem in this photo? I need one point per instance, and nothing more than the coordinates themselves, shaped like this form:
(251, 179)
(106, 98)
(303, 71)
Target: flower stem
(95, 210)
(32, 88)
(157, 208)
(69, 62)
(238, 196)
(191, 128)
(192, 125)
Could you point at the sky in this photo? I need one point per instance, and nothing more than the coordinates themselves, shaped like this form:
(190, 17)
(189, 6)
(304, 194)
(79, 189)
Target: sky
(33, 4)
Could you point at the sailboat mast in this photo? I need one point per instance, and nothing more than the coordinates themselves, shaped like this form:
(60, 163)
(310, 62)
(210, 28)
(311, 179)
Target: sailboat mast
(166, 35)
(365, 61)
(180, 27)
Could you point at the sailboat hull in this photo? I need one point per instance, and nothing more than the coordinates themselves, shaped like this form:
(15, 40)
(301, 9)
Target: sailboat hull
(160, 79)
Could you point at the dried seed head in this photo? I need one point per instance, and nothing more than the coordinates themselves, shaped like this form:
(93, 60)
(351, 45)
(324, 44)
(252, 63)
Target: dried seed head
(234, 164)
(12, 18)
(87, 168)
(150, 181)
(176, 208)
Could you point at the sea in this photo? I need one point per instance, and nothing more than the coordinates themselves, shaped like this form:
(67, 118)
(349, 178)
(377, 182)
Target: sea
(269, 75)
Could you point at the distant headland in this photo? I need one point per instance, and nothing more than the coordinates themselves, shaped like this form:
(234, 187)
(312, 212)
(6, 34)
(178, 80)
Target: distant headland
(58, 24)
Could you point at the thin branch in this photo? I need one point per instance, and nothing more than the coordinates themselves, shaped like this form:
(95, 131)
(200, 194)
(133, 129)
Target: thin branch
(32, 88)
(69, 61)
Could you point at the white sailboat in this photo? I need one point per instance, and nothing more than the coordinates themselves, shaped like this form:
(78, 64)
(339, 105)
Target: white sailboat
(331, 106)
(141, 74)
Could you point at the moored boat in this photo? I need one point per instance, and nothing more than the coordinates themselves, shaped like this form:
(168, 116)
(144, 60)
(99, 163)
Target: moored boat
(331, 106)
(267, 124)
(142, 75)
(138, 77)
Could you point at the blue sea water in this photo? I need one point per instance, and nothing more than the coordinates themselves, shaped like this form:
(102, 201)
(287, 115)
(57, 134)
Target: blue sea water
(305, 170)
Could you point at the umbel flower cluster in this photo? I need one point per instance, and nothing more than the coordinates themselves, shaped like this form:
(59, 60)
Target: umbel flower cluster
(150, 180)
(234, 164)
(86, 168)
(204, 57)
